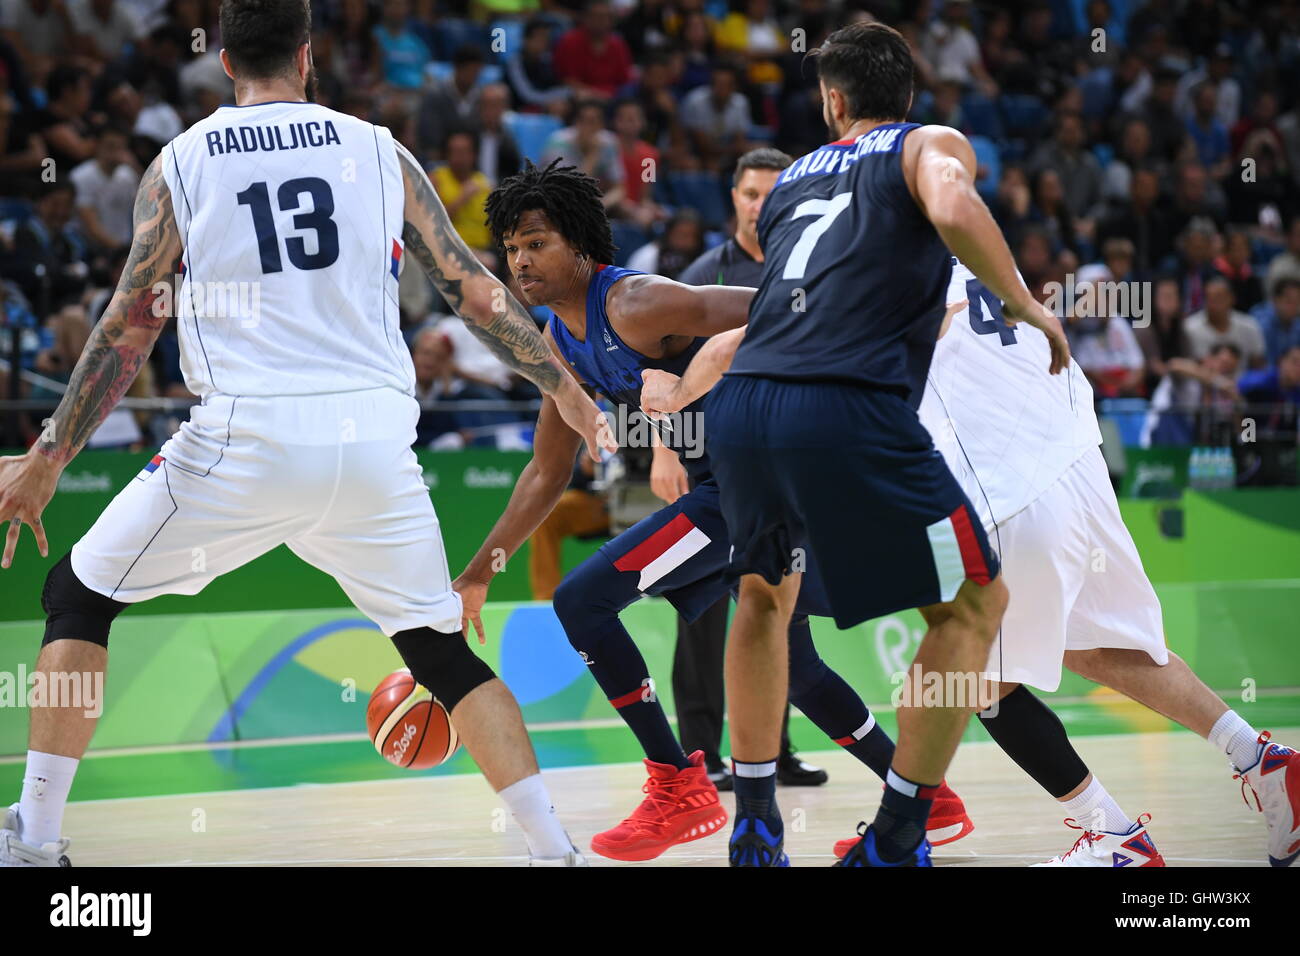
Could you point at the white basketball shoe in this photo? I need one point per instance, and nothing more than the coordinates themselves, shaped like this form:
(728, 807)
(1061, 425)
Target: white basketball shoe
(14, 852)
(573, 858)
(1274, 781)
(1101, 848)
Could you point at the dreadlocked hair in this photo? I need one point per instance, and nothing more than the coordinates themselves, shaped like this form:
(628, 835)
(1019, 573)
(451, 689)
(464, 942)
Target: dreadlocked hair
(569, 198)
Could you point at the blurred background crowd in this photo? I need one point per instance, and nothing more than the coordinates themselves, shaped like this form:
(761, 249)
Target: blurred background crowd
(1151, 142)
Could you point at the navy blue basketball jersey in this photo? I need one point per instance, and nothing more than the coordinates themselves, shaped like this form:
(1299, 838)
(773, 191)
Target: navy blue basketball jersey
(613, 368)
(854, 275)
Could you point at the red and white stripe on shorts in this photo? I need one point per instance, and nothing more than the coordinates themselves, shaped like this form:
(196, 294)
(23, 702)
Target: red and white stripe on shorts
(957, 553)
(664, 551)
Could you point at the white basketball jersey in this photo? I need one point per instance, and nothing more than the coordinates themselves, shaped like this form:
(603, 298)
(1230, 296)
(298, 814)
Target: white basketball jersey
(291, 219)
(1007, 427)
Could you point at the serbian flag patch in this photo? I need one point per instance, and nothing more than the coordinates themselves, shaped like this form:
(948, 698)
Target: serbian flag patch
(396, 262)
(664, 551)
(150, 468)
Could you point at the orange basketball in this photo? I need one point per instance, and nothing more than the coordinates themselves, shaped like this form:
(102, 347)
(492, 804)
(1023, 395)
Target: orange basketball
(409, 726)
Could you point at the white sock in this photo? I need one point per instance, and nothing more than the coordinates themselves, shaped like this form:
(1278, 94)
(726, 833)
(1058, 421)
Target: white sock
(1095, 809)
(1237, 739)
(45, 794)
(531, 806)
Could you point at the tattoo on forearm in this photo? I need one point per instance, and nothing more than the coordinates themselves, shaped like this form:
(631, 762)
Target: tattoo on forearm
(428, 259)
(511, 342)
(509, 331)
(121, 342)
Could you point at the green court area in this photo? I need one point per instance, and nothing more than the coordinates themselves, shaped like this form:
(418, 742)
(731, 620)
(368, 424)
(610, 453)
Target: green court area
(201, 768)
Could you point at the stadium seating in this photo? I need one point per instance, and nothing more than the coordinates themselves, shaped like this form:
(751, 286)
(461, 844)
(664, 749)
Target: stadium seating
(981, 115)
(701, 191)
(531, 131)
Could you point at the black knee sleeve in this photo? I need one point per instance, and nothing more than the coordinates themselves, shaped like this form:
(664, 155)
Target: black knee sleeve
(443, 663)
(72, 610)
(1034, 737)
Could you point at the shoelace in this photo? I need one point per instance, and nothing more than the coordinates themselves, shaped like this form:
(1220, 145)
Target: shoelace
(1087, 837)
(660, 797)
(1245, 784)
(858, 850)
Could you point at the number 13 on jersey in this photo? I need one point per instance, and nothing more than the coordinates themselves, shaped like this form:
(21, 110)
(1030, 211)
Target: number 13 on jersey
(289, 198)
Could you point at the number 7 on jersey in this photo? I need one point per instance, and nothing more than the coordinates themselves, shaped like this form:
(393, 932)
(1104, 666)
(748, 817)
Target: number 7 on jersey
(826, 210)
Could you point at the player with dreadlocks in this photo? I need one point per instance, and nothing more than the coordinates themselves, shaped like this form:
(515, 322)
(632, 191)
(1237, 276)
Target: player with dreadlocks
(610, 325)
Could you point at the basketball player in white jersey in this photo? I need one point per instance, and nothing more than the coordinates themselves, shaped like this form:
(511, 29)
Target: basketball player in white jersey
(1025, 446)
(307, 416)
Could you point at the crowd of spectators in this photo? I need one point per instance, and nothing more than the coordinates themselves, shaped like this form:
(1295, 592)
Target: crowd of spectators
(1154, 144)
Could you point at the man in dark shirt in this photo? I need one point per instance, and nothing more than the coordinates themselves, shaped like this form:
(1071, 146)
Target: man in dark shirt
(697, 663)
(62, 124)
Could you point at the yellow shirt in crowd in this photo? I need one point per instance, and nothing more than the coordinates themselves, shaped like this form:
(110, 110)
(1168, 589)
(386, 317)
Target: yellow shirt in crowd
(470, 219)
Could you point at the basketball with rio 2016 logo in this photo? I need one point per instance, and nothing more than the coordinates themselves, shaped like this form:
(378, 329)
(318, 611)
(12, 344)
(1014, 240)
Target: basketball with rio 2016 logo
(409, 726)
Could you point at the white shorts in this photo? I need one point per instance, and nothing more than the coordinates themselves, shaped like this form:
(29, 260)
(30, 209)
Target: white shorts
(1075, 578)
(332, 476)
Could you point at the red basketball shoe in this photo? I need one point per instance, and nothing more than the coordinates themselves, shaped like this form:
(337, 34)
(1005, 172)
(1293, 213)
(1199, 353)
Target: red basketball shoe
(948, 821)
(679, 806)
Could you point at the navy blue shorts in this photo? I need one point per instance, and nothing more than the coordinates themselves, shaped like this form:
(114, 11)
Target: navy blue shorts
(847, 476)
(682, 552)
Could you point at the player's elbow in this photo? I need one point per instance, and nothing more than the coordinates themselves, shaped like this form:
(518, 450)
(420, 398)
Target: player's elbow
(956, 209)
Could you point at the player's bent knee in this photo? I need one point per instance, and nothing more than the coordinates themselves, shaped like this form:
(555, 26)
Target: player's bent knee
(443, 663)
(72, 610)
(987, 603)
(976, 608)
(579, 597)
(567, 600)
(756, 592)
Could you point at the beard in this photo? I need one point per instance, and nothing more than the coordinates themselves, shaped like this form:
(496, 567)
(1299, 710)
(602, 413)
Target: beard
(310, 86)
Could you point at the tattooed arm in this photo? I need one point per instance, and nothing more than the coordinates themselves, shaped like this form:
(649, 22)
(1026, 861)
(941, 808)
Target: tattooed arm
(125, 335)
(117, 347)
(490, 312)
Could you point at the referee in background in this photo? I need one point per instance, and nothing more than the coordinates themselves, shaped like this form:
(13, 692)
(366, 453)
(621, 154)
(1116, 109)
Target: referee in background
(697, 662)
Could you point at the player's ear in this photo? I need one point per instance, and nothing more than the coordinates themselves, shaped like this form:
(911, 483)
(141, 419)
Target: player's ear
(304, 61)
(225, 63)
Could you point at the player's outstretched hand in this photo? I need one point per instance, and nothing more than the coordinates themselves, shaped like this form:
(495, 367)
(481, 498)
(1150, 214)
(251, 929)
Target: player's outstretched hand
(581, 414)
(27, 484)
(659, 394)
(473, 595)
(1041, 318)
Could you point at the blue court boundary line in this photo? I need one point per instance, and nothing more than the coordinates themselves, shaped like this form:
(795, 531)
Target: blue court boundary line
(225, 726)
